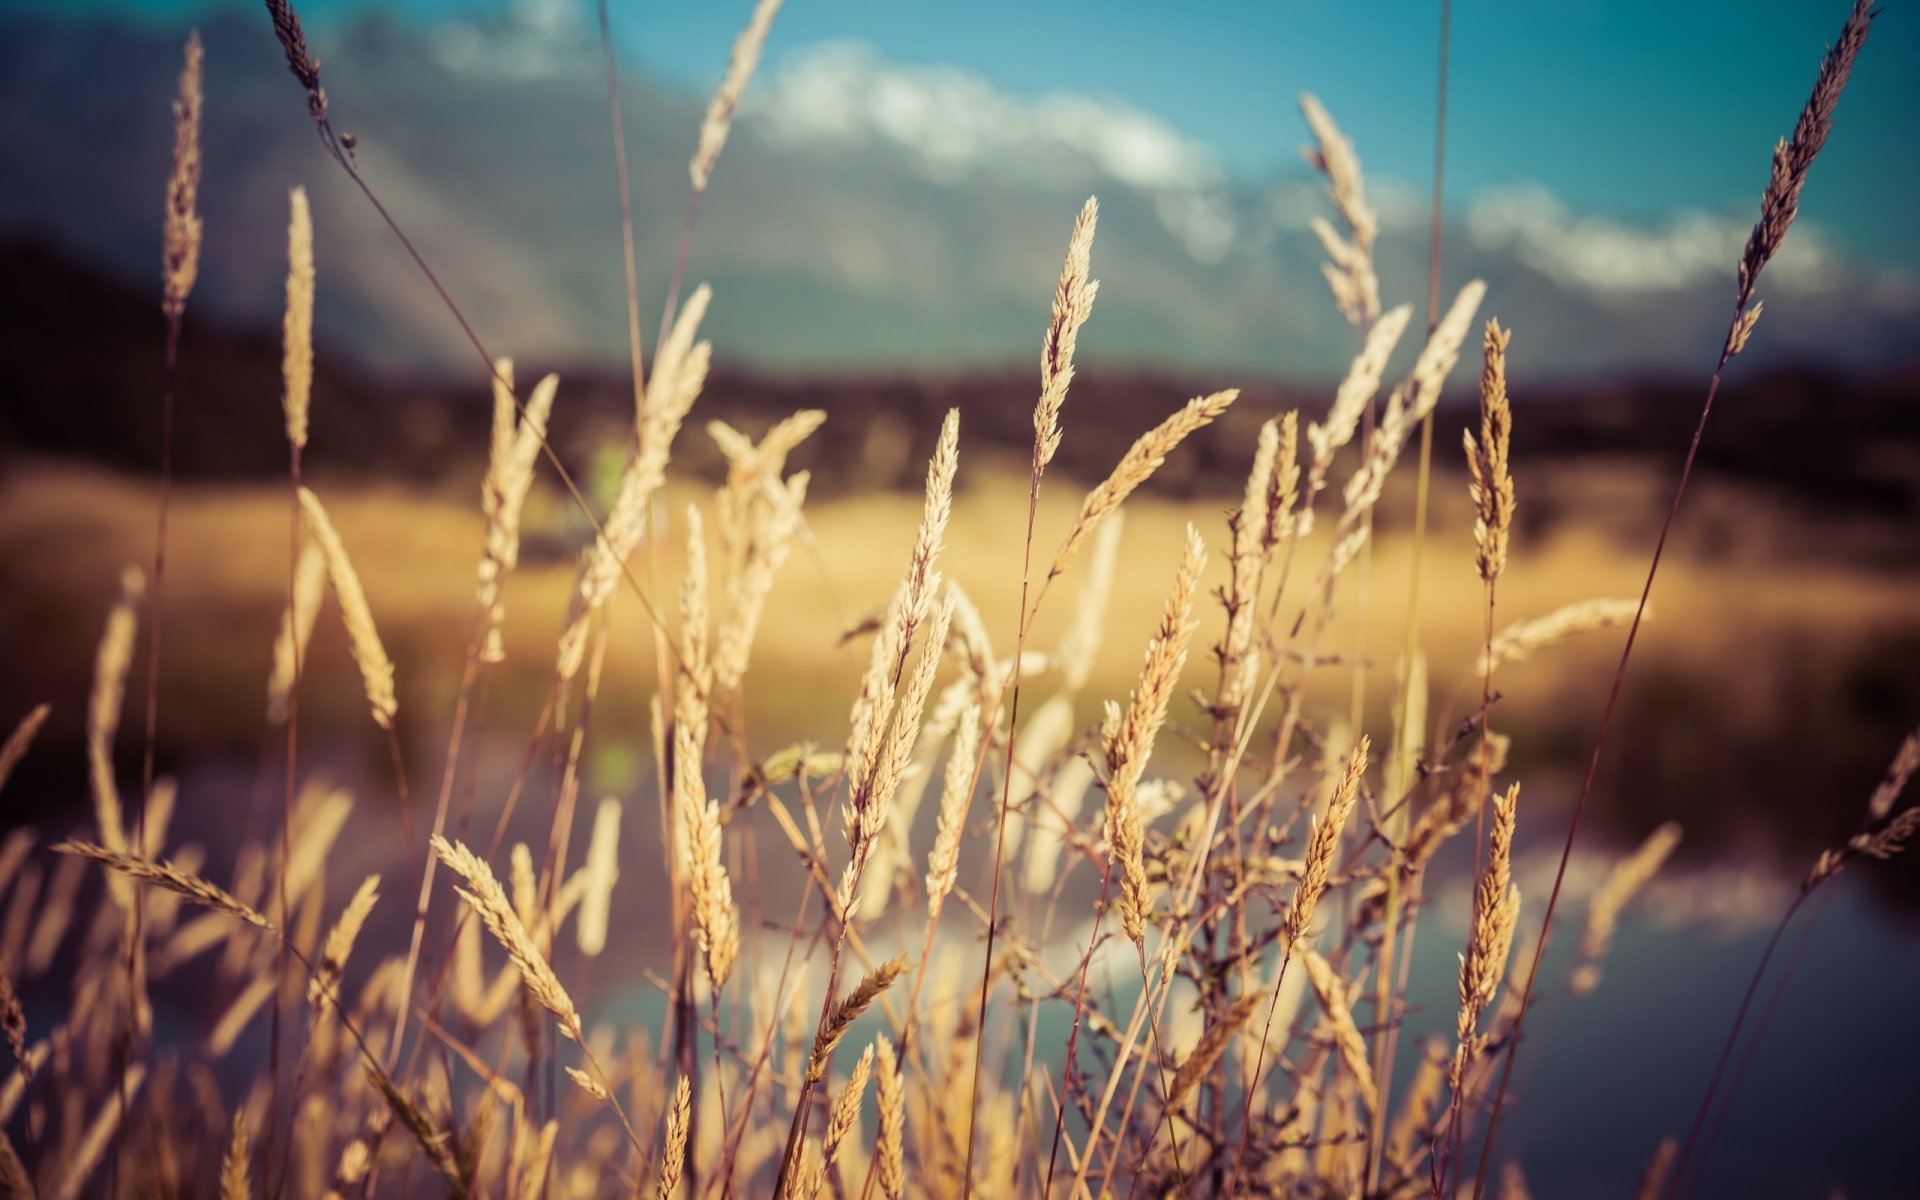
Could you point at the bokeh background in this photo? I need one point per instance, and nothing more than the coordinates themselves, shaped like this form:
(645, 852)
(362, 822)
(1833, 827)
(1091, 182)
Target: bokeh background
(882, 236)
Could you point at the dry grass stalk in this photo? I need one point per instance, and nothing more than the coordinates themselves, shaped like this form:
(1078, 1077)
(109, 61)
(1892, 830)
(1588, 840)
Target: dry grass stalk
(871, 801)
(1072, 301)
(1074, 657)
(14, 1180)
(21, 740)
(168, 876)
(234, 1181)
(1245, 562)
(305, 67)
(86, 1156)
(1496, 914)
(890, 1096)
(1743, 328)
(844, 1014)
(1128, 738)
(1139, 463)
(1418, 1107)
(1513, 1182)
(1356, 288)
(296, 629)
(1882, 843)
(340, 940)
(1283, 487)
(1521, 640)
(296, 353)
(603, 871)
(679, 373)
(1793, 159)
(675, 1154)
(716, 923)
(759, 520)
(376, 669)
(432, 1142)
(1332, 992)
(111, 663)
(1622, 883)
(1491, 482)
(1325, 842)
(489, 902)
(513, 448)
(1654, 1181)
(1409, 404)
(180, 236)
(943, 862)
(1213, 1043)
(1356, 390)
(726, 98)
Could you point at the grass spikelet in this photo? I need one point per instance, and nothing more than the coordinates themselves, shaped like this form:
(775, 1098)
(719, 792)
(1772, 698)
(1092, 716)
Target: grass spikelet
(1491, 482)
(489, 902)
(1622, 883)
(846, 1110)
(943, 862)
(1283, 486)
(1793, 157)
(168, 876)
(675, 1154)
(180, 237)
(844, 1014)
(1496, 913)
(21, 740)
(1332, 992)
(376, 669)
(1362, 381)
(726, 98)
(305, 67)
(514, 446)
(1350, 273)
(1129, 741)
(432, 1142)
(603, 870)
(890, 1095)
(1072, 301)
(339, 944)
(1213, 1043)
(111, 662)
(1139, 463)
(296, 342)
(1521, 640)
(13, 1022)
(1905, 762)
(759, 519)
(1325, 842)
(716, 924)
(234, 1181)
(296, 629)
(587, 1084)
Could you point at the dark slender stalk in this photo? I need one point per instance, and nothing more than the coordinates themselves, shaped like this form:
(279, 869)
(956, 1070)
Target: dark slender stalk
(1586, 785)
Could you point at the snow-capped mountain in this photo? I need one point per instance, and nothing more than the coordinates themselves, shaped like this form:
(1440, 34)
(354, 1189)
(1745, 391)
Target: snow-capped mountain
(866, 214)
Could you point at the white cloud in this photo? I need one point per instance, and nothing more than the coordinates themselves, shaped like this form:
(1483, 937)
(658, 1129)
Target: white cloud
(1617, 259)
(954, 125)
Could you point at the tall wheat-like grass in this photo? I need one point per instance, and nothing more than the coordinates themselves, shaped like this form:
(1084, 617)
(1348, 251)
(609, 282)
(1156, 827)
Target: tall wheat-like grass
(1293, 842)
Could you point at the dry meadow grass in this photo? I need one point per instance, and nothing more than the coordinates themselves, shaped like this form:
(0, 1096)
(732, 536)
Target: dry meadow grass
(1207, 717)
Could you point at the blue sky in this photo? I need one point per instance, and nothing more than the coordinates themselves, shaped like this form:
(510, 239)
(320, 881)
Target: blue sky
(1629, 108)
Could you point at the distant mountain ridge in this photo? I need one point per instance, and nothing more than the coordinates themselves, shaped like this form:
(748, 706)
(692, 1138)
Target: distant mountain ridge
(866, 215)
